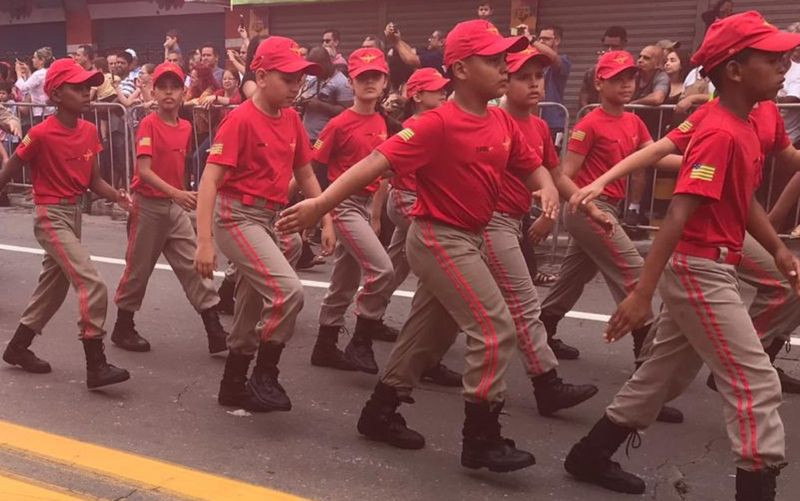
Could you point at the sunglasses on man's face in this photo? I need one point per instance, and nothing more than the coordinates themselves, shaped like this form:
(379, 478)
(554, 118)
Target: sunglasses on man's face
(327, 40)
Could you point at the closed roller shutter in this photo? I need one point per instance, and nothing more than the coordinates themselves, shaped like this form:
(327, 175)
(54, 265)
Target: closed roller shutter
(781, 13)
(20, 40)
(305, 23)
(145, 35)
(418, 18)
(584, 22)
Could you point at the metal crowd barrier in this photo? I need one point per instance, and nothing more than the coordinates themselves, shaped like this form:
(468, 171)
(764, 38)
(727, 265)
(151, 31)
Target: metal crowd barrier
(562, 151)
(112, 122)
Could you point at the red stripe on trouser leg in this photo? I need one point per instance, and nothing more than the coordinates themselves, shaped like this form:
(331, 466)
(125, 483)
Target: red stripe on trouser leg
(778, 300)
(255, 261)
(517, 312)
(628, 279)
(400, 204)
(132, 234)
(478, 311)
(83, 293)
(722, 349)
(370, 274)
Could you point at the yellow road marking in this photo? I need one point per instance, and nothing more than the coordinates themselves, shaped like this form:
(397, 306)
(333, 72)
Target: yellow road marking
(21, 488)
(133, 469)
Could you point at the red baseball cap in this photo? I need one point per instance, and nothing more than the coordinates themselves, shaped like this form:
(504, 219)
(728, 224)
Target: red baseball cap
(425, 79)
(168, 69)
(367, 59)
(478, 38)
(731, 35)
(282, 54)
(516, 60)
(67, 71)
(613, 63)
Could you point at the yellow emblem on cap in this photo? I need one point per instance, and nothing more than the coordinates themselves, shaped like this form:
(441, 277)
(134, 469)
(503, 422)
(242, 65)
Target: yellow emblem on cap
(621, 58)
(492, 29)
(368, 58)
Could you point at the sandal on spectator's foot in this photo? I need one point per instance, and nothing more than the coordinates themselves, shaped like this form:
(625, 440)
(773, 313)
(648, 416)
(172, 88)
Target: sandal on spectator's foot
(541, 278)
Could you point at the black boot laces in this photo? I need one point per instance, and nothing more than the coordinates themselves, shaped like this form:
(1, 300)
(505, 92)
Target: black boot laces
(634, 442)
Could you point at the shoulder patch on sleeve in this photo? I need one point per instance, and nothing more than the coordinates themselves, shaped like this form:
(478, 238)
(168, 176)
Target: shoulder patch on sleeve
(27, 140)
(145, 141)
(318, 144)
(406, 134)
(686, 126)
(702, 172)
(578, 135)
(216, 149)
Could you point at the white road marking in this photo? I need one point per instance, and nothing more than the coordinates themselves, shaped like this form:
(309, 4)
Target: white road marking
(579, 315)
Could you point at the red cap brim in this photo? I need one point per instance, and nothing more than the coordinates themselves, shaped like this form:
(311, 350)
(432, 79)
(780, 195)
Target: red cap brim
(300, 66)
(93, 78)
(516, 65)
(616, 71)
(509, 44)
(169, 72)
(779, 41)
(368, 67)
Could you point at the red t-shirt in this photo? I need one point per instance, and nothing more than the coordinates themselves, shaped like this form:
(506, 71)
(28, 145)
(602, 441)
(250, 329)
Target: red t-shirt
(166, 145)
(235, 99)
(407, 182)
(61, 159)
(605, 140)
(459, 159)
(515, 196)
(261, 152)
(765, 117)
(723, 164)
(348, 138)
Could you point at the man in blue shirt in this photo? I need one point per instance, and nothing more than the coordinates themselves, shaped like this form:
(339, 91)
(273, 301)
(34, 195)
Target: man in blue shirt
(555, 79)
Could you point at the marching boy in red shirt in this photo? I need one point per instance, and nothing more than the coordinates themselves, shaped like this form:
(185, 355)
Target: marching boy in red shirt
(159, 222)
(775, 309)
(61, 152)
(349, 137)
(695, 253)
(259, 147)
(459, 152)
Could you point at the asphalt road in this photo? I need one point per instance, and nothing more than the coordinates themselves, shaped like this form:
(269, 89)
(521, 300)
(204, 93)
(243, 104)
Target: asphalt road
(168, 409)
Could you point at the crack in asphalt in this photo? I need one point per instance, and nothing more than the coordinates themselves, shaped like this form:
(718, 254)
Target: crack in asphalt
(182, 393)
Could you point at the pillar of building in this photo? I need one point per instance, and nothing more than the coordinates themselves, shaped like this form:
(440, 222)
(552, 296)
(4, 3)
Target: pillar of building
(79, 24)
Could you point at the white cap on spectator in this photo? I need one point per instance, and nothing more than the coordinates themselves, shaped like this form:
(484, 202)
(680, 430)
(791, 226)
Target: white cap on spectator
(131, 52)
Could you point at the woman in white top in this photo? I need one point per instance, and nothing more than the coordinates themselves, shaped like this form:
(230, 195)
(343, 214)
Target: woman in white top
(32, 85)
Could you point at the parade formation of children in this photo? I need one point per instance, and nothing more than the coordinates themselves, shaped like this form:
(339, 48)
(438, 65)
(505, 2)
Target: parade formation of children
(456, 181)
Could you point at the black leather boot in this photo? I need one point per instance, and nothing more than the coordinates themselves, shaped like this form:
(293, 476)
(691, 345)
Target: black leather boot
(216, 334)
(226, 300)
(756, 485)
(380, 420)
(553, 394)
(326, 353)
(384, 332)
(232, 390)
(484, 447)
(17, 352)
(590, 459)
(98, 371)
(125, 336)
(789, 384)
(359, 349)
(443, 376)
(264, 392)
(562, 350)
